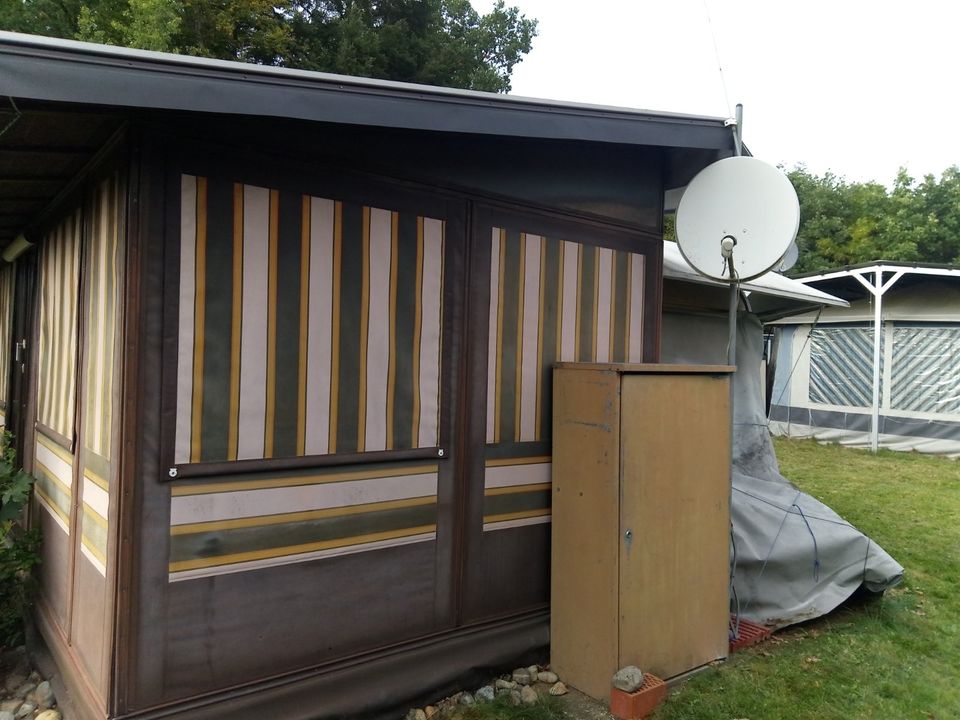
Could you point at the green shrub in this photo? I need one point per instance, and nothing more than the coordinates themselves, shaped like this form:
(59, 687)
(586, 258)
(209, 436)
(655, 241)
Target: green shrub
(19, 548)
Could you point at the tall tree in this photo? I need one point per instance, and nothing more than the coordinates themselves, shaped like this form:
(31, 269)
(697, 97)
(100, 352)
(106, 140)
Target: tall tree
(436, 42)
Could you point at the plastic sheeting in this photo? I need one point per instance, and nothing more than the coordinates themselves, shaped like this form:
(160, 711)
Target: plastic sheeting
(794, 559)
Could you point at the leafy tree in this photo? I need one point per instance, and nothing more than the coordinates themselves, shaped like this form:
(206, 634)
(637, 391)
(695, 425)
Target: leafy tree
(436, 42)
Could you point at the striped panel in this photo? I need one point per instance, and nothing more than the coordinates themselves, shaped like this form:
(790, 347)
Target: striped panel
(6, 330)
(53, 468)
(926, 377)
(239, 524)
(552, 300)
(101, 330)
(841, 366)
(516, 492)
(59, 295)
(307, 326)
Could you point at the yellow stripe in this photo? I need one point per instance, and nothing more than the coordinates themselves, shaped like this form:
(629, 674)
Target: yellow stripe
(53, 447)
(417, 322)
(577, 313)
(50, 475)
(499, 373)
(519, 515)
(88, 544)
(306, 515)
(305, 223)
(271, 408)
(95, 516)
(335, 329)
(540, 319)
(364, 329)
(296, 481)
(560, 280)
(235, 328)
(51, 505)
(518, 371)
(96, 479)
(596, 302)
(199, 322)
(515, 489)
(613, 304)
(297, 549)
(392, 367)
(626, 327)
(532, 460)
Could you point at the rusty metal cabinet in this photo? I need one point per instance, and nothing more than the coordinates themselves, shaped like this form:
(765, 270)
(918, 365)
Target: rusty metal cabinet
(641, 519)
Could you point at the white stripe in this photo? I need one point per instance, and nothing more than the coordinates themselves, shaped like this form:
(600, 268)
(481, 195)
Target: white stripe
(378, 330)
(253, 323)
(96, 497)
(93, 560)
(492, 333)
(187, 509)
(53, 513)
(318, 332)
(430, 331)
(513, 475)
(635, 351)
(604, 290)
(529, 367)
(521, 522)
(298, 558)
(55, 464)
(188, 239)
(568, 330)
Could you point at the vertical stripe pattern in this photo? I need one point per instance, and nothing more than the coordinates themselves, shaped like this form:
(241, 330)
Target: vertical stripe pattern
(307, 325)
(57, 352)
(6, 331)
(553, 301)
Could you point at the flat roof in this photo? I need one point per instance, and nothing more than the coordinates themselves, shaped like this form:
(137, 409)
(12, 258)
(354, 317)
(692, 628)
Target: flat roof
(52, 69)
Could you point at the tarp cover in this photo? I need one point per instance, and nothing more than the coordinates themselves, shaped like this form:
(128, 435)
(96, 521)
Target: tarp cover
(795, 559)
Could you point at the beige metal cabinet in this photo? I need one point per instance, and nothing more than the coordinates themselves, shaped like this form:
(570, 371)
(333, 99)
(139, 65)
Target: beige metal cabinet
(641, 520)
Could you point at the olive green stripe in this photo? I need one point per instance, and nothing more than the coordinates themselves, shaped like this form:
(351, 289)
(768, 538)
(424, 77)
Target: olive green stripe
(289, 252)
(621, 300)
(53, 491)
(403, 348)
(499, 451)
(515, 502)
(93, 318)
(94, 531)
(218, 327)
(588, 265)
(110, 250)
(550, 283)
(241, 540)
(348, 385)
(510, 313)
(98, 465)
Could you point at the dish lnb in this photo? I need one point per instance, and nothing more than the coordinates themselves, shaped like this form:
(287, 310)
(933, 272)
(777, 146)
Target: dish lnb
(737, 219)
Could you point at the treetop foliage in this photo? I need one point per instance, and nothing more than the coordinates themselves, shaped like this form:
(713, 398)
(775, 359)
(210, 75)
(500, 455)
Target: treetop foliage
(435, 42)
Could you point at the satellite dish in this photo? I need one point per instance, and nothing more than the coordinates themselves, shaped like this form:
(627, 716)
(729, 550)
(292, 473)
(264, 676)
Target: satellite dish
(789, 259)
(745, 205)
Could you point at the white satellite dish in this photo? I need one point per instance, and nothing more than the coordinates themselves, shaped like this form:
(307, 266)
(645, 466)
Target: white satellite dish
(743, 202)
(789, 259)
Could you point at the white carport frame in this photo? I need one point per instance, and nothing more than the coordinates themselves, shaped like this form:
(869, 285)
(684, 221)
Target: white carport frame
(872, 279)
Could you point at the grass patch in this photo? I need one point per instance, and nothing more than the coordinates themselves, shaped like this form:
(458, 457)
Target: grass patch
(894, 657)
(548, 708)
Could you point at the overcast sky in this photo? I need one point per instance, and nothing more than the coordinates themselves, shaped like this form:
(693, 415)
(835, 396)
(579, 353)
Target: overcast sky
(857, 88)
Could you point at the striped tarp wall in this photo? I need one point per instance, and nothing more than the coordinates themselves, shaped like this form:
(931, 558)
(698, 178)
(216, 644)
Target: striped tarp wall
(841, 366)
(101, 281)
(6, 332)
(307, 325)
(926, 376)
(551, 300)
(59, 296)
(53, 468)
(253, 521)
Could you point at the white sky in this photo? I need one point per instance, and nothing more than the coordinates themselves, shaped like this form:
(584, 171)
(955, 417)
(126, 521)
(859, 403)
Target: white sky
(858, 88)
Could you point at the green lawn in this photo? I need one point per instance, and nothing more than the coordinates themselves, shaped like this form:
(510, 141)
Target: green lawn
(895, 658)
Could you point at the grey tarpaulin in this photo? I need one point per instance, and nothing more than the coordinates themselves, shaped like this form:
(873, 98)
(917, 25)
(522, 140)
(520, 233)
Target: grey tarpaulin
(796, 559)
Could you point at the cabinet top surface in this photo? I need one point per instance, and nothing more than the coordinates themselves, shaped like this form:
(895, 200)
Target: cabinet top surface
(647, 368)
